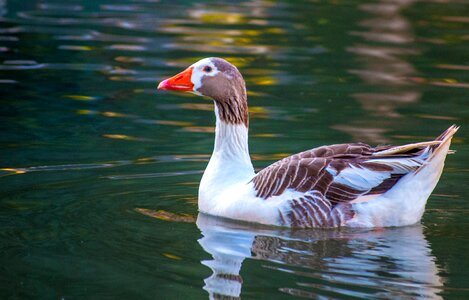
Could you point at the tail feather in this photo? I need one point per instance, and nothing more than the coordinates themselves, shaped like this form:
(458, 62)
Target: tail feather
(448, 133)
(445, 141)
(404, 149)
(429, 146)
(404, 203)
(438, 152)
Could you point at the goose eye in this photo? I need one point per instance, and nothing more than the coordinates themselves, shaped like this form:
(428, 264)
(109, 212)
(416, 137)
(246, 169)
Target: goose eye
(207, 69)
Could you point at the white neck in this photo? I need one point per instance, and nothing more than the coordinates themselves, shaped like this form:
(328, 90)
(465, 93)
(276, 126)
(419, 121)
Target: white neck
(230, 163)
(231, 141)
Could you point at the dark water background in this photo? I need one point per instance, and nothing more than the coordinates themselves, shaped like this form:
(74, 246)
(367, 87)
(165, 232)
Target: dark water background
(87, 144)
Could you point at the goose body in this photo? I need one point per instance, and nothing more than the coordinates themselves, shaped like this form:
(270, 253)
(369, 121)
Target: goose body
(353, 185)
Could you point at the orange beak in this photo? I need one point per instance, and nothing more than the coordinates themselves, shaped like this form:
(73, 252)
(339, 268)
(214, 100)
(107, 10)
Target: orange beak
(179, 82)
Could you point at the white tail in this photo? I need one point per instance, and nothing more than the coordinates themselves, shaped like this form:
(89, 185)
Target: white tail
(405, 202)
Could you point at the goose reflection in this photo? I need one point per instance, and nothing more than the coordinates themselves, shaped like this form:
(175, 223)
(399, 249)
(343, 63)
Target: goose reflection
(391, 263)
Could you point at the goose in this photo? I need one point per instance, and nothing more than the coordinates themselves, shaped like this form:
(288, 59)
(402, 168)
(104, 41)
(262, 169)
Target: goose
(342, 185)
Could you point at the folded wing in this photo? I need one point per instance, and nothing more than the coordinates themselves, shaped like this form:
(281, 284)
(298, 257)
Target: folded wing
(328, 179)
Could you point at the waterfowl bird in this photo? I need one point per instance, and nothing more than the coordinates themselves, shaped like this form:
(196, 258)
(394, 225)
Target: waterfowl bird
(352, 185)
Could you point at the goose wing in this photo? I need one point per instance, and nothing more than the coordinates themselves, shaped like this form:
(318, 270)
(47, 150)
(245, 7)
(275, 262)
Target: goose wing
(326, 180)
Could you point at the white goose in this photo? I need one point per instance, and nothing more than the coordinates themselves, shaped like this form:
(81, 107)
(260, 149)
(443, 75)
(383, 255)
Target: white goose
(351, 185)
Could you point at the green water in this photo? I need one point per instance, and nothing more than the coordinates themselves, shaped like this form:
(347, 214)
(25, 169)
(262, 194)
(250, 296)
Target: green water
(87, 142)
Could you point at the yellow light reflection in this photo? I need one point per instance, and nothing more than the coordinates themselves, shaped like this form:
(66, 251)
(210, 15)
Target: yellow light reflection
(205, 129)
(166, 216)
(266, 135)
(86, 112)
(13, 170)
(173, 123)
(264, 80)
(75, 48)
(273, 156)
(172, 256)
(120, 137)
(256, 94)
(80, 97)
(219, 17)
(112, 114)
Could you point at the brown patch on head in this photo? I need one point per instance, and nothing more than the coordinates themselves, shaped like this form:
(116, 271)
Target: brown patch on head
(224, 66)
(228, 89)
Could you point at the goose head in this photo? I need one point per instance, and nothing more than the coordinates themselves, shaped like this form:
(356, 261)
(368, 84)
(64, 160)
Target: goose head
(218, 79)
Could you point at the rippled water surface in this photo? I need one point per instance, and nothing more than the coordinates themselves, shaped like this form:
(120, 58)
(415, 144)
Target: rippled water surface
(99, 172)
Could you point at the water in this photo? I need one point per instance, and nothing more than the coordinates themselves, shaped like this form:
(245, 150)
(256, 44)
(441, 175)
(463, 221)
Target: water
(99, 172)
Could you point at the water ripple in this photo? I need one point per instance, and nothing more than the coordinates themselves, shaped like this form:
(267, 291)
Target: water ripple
(69, 167)
(138, 161)
(153, 175)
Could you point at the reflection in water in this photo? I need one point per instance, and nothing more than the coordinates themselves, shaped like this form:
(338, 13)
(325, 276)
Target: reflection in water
(388, 42)
(391, 263)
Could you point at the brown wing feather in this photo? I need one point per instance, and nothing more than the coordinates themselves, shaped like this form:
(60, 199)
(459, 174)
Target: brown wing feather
(331, 177)
(306, 171)
(327, 203)
(339, 150)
